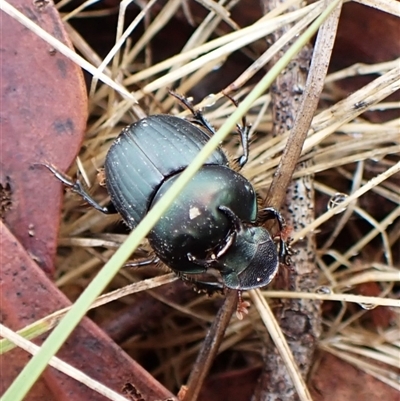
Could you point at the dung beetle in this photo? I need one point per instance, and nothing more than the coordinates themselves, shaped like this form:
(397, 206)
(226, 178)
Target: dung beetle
(214, 223)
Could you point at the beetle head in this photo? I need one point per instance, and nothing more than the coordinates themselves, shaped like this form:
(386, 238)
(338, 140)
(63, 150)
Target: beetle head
(249, 258)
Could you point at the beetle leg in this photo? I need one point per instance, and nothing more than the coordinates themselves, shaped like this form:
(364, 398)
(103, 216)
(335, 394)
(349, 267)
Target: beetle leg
(184, 100)
(77, 187)
(205, 263)
(208, 262)
(232, 217)
(208, 287)
(198, 117)
(271, 213)
(244, 132)
(228, 242)
(237, 225)
(244, 135)
(143, 262)
(284, 249)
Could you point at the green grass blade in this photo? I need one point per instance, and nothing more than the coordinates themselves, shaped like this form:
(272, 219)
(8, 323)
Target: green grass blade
(53, 343)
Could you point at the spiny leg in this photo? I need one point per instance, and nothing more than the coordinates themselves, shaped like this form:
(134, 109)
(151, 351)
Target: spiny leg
(197, 114)
(143, 262)
(244, 132)
(76, 186)
(208, 287)
(269, 213)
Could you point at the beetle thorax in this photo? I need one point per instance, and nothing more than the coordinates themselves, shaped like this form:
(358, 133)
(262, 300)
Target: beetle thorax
(194, 224)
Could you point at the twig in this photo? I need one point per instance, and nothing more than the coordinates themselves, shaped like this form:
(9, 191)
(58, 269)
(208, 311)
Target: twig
(210, 346)
(300, 319)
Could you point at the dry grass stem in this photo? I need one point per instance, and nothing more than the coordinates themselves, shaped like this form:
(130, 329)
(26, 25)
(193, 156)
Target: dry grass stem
(61, 366)
(280, 342)
(387, 6)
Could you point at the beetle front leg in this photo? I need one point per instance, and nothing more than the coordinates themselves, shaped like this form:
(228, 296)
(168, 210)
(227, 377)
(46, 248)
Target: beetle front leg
(77, 187)
(209, 287)
(284, 248)
(269, 213)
